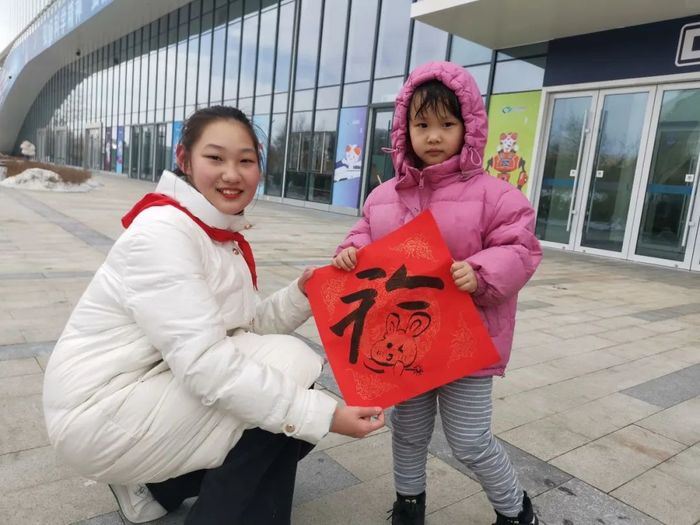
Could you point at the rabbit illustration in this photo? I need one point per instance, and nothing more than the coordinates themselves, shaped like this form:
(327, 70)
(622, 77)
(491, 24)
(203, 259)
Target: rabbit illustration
(397, 349)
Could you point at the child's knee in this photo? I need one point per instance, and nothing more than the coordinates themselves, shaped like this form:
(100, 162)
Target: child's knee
(471, 448)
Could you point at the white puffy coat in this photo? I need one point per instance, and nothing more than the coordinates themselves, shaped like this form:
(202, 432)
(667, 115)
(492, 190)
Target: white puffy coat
(160, 367)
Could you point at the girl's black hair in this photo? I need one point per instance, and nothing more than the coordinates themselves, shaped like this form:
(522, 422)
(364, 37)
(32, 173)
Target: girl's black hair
(200, 119)
(436, 96)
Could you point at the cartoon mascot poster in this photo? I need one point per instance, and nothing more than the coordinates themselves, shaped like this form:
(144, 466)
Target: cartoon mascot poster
(511, 140)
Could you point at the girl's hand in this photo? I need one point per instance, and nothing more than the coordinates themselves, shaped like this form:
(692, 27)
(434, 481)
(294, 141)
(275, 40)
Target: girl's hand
(464, 276)
(346, 260)
(357, 422)
(305, 276)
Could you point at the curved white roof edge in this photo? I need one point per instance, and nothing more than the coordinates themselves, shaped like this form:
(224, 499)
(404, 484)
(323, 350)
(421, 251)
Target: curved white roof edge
(114, 20)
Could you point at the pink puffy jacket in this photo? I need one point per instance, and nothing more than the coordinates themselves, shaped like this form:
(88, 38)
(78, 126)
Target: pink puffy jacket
(485, 221)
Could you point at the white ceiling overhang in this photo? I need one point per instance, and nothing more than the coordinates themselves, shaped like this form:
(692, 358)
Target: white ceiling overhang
(500, 24)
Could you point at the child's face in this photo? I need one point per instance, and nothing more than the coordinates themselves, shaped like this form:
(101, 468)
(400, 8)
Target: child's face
(435, 135)
(223, 166)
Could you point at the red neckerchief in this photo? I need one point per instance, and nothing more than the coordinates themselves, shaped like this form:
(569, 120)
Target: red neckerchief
(217, 234)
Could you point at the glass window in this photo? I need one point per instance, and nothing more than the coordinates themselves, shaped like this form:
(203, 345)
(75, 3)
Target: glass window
(204, 68)
(280, 102)
(262, 104)
(523, 51)
(152, 80)
(363, 18)
(465, 52)
(328, 97)
(275, 155)
(161, 86)
(181, 66)
(429, 43)
(191, 77)
(248, 54)
(170, 80)
(304, 100)
(481, 75)
(333, 42)
(217, 65)
(355, 94)
(307, 50)
(519, 75)
(232, 61)
(266, 51)
(385, 90)
(393, 38)
(284, 46)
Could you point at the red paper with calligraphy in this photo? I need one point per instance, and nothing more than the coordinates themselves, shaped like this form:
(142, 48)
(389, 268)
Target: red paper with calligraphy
(397, 325)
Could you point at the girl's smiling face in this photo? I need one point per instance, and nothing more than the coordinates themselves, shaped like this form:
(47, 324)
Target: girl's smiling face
(223, 165)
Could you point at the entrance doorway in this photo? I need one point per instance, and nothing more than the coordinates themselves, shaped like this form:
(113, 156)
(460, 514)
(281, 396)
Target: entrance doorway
(619, 175)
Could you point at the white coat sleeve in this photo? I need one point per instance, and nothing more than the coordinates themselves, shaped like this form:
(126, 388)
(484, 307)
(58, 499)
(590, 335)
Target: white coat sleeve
(282, 312)
(170, 300)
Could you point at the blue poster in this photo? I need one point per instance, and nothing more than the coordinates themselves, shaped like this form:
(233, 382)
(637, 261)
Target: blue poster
(177, 133)
(347, 177)
(120, 149)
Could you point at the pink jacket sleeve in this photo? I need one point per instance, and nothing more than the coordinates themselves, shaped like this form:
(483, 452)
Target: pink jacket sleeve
(511, 251)
(359, 235)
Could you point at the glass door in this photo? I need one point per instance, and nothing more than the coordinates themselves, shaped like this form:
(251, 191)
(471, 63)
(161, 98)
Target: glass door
(147, 150)
(135, 149)
(610, 180)
(380, 167)
(667, 220)
(565, 152)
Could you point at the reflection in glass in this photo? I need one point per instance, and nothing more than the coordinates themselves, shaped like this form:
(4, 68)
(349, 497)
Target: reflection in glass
(204, 69)
(465, 52)
(614, 167)
(307, 49)
(561, 162)
(275, 156)
(191, 78)
(248, 53)
(429, 43)
(334, 20)
(284, 46)
(381, 168)
(355, 94)
(266, 51)
(136, 146)
(217, 66)
(392, 42)
(673, 177)
(233, 42)
(386, 89)
(519, 75)
(360, 40)
(146, 171)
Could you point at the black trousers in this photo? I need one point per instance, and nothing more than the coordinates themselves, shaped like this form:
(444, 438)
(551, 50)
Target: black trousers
(254, 486)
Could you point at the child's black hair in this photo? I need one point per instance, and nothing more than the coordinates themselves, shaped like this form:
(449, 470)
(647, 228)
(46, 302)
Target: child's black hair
(200, 119)
(435, 96)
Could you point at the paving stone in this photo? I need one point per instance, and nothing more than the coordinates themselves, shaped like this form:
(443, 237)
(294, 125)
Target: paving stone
(576, 503)
(28, 468)
(671, 501)
(680, 422)
(60, 502)
(18, 367)
(22, 424)
(617, 458)
(669, 389)
(318, 475)
(19, 386)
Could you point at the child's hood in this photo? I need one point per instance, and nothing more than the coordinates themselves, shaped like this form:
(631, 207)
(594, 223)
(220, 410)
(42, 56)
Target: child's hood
(473, 113)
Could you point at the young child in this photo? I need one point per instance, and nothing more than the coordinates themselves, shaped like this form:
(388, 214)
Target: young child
(438, 138)
(160, 376)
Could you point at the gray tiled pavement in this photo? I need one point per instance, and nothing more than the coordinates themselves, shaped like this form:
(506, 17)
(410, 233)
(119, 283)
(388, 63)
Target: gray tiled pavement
(600, 409)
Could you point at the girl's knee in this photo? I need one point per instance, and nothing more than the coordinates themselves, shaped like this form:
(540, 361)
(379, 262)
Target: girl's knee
(471, 448)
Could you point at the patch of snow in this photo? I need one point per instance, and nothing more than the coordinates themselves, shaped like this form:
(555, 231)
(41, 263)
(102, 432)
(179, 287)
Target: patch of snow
(45, 180)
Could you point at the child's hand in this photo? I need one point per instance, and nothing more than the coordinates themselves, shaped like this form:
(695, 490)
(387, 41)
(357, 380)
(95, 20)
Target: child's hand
(305, 276)
(464, 276)
(357, 422)
(346, 260)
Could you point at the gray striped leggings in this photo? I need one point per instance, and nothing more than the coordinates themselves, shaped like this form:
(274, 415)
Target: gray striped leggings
(465, 409)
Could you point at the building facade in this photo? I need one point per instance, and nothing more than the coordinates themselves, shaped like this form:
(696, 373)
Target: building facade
(601, 129)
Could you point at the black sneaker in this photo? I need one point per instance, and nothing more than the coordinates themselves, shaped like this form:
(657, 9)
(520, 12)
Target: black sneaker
(526, 517)
(408, 510)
